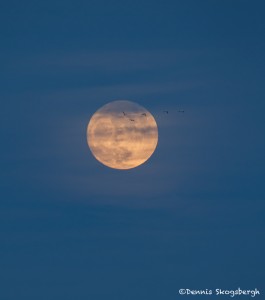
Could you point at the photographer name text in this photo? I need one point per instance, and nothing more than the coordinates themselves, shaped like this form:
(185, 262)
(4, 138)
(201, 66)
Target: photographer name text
(220, 292)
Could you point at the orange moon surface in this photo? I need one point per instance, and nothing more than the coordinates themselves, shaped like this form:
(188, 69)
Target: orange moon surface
(122, 134)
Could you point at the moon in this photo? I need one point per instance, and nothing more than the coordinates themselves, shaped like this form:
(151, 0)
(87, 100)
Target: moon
(122, 135)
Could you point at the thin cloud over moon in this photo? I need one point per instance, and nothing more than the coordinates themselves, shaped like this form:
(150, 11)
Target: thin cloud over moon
(122, 135)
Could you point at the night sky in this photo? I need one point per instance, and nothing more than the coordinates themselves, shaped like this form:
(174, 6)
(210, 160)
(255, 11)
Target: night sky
(192, 216)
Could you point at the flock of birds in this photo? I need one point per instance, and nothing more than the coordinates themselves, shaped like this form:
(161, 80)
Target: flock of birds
(144, 114)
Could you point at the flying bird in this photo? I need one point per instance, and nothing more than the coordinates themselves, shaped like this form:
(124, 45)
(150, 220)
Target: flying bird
(165, 111)
(181, 110)
(132, 120)
(144, 114)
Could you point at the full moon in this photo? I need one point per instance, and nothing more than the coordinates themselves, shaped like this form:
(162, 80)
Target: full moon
(122, 135)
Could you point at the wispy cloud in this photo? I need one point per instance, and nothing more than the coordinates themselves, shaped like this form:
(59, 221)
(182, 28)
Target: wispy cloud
(114, 61)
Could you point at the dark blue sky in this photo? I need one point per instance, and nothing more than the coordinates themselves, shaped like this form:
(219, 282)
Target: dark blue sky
(193, 215)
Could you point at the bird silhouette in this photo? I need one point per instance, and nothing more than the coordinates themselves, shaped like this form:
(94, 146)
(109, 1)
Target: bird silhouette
(132, 120)
(181, 110)
(165, 111)
(144, 114)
